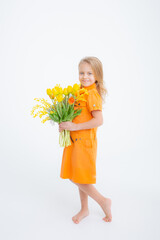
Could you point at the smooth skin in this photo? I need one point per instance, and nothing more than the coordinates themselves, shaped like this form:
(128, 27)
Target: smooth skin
(86, 77)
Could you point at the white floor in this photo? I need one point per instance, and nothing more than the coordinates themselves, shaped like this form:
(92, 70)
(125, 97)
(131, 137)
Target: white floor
(47, 214)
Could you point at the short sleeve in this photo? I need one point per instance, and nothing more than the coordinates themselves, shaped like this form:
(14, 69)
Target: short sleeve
(94, 101)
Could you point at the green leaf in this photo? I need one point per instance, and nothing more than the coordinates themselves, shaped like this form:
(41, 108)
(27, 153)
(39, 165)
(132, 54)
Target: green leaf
(54, 117)
(64, 107)
(63, 110)
(64, 116)
(58, 110)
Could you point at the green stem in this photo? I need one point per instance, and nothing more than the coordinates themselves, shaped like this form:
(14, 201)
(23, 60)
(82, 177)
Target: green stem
(64, 138)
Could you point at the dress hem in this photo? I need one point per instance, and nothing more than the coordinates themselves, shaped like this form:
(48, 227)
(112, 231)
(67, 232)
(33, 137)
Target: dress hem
(92, 182)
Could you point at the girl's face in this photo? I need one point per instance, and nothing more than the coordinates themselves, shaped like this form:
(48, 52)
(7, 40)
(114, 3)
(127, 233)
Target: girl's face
(86, 76)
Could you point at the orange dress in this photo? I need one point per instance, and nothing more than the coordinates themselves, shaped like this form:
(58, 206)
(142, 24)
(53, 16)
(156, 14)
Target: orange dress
(79, 159)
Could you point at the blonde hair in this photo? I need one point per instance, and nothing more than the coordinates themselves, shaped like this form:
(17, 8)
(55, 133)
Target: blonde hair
(97, 68)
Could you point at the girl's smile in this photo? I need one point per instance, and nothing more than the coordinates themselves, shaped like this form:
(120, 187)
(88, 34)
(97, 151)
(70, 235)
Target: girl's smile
(86, 75)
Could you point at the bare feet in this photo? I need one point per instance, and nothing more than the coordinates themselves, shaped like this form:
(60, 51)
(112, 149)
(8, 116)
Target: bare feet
(79, 216)
(106, 206)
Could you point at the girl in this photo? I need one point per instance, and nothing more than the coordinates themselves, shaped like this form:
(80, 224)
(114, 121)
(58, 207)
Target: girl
(79, 159)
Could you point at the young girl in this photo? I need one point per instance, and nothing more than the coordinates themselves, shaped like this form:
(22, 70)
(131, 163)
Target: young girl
(79, 159)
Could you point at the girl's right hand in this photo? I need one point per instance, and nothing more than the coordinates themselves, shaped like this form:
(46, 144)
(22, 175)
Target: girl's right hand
(68, 125)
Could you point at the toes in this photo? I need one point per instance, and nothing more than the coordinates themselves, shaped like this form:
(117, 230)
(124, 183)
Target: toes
(107, 219)
(75, 220)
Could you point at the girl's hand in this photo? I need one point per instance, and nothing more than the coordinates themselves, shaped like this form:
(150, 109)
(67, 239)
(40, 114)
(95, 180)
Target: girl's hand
(67, 126)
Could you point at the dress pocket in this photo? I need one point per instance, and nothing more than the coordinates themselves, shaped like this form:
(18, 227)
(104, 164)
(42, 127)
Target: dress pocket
(87, 142)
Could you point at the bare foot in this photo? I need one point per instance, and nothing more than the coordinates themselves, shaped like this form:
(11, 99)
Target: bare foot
(79, 216)
(106, 206)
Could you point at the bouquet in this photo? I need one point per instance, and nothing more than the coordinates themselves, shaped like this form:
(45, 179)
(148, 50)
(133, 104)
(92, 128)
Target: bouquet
(62, 107)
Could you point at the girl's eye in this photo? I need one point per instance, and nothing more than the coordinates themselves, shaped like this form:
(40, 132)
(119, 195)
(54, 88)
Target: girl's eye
(82, 73)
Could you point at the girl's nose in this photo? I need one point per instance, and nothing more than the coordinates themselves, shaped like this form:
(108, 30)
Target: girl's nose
(85, 76)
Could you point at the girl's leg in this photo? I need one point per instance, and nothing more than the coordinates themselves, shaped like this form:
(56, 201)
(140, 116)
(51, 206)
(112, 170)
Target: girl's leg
(84, 199)
(104, 202)
(84, 207)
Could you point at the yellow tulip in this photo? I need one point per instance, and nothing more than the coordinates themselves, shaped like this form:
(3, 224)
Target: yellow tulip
(60, 90)
(65, 92)
(57, 89)
(54, 91)
(69, 89)
(59, 97)
(49, 91)
(76, 86)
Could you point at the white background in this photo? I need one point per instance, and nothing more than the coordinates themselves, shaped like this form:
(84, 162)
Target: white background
(41, 44)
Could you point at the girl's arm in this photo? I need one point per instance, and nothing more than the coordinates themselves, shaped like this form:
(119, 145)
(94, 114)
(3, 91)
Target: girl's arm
(96, 121)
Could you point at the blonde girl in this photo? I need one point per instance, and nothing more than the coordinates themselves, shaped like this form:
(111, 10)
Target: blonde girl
(79, 159)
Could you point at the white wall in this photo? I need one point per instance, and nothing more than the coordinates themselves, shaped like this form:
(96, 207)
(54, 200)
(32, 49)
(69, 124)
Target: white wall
(41, 44)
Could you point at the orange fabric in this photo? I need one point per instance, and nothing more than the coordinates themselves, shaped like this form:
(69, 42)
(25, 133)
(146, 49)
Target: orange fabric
(79, 159)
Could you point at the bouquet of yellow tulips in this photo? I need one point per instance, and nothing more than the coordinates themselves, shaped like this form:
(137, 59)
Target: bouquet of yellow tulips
(62, 107)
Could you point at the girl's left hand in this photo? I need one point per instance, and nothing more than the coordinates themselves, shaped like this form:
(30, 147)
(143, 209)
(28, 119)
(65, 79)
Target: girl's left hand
(67, 126)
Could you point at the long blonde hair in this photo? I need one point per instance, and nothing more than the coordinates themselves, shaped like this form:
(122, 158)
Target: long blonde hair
(97, 68)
